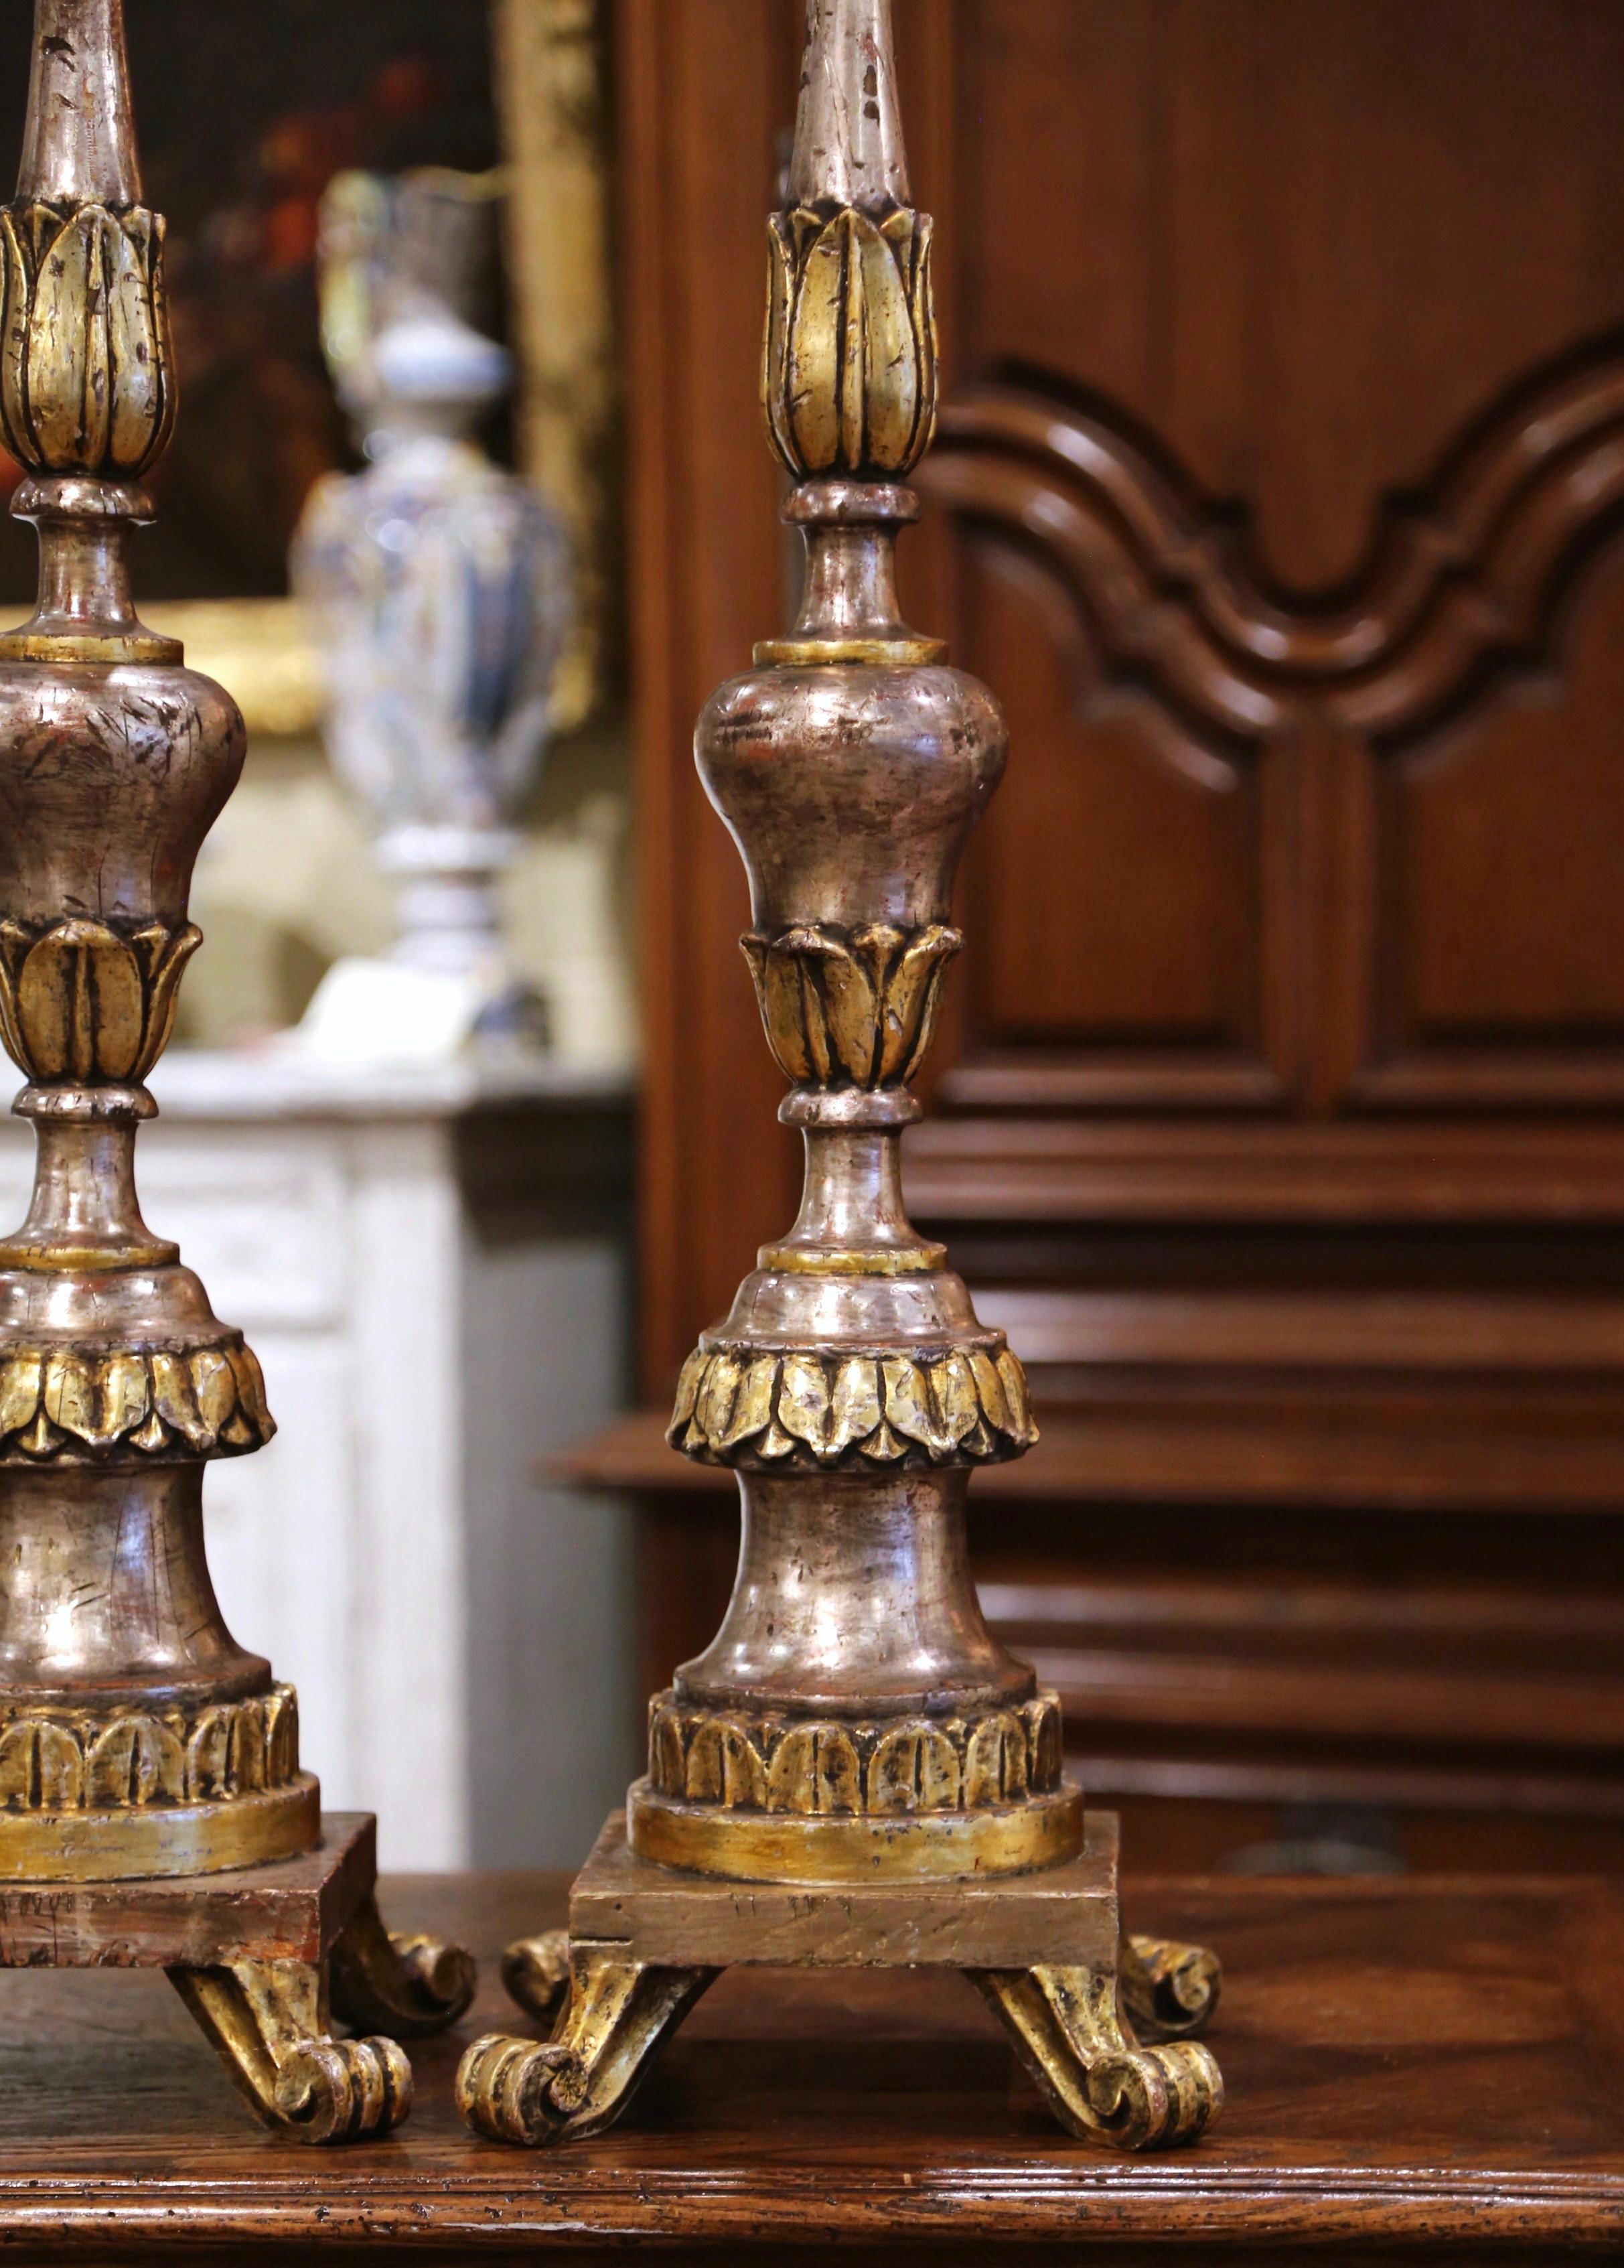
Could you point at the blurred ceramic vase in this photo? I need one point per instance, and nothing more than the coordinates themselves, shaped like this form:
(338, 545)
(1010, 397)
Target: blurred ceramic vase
(437, 584)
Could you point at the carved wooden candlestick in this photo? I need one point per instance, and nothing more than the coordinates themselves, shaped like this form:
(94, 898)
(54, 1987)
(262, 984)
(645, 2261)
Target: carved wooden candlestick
(148, 1767)
(855, 1745)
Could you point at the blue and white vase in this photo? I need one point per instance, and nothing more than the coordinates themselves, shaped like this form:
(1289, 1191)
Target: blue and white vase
(437, 584)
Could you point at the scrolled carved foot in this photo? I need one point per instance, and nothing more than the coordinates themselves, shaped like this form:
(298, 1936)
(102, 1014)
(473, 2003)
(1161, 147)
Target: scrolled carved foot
(617, 2014)
(1169, 1989)
(342, 2090)
(404, 1987)
(504, 2088)
(268, 2021)
(1068, 2030)
(535, 1972)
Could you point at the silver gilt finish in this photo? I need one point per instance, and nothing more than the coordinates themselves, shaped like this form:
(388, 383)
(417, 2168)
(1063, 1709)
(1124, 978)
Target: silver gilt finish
(855, 1771)
(142, 1751)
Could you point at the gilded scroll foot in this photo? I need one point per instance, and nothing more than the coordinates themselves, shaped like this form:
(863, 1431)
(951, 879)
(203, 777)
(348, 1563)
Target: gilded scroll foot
(268, 2019)
(1069, 2031)
(1103, 2030)
(535, 1972)
(613, 2016)
(1169, 1991)
(404, 1987)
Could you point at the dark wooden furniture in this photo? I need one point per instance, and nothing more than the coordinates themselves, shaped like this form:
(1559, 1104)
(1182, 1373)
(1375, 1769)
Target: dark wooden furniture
(1282, 1125)
(1415, 2067)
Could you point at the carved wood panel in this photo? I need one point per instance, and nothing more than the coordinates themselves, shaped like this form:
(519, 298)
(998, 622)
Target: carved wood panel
(1305, 437)
(1145, 937)
(1467, 687)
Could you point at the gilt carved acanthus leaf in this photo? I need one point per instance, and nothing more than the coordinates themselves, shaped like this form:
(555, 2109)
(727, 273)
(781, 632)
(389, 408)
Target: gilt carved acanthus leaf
(773, 1409)
(764, 1760)
(849, 366)
(69, 1759)
(76, 1402)
(850, 1006)
(1458, 579)
(86, 383)
(80, 1002)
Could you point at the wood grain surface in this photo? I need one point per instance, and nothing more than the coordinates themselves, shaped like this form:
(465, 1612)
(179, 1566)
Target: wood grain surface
(1413, 2066)
(291, 1911)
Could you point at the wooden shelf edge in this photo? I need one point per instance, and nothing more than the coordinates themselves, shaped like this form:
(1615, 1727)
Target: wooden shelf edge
(1162, 1454)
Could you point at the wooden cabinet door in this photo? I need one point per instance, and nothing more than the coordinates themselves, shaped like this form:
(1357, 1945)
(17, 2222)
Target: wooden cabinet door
(1280, 498)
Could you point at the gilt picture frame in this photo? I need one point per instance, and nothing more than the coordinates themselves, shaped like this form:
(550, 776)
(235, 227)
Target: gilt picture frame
(548, 78)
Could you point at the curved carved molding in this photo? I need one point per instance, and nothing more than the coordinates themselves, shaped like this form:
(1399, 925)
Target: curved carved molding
(88, 1759)
(81, 1402)
(739, 1406)
(766, 1762)
(1457, 579)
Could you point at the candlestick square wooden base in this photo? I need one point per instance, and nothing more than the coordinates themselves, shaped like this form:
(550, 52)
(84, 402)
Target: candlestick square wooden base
(263, 1958)
(1101, 2022)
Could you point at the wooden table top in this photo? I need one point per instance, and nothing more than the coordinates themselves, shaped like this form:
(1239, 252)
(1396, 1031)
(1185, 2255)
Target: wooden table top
(1410, 2064)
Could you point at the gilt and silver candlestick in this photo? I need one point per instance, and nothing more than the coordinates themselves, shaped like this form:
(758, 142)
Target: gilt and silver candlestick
(151, 1796)
(855, 1771)
(436, 583)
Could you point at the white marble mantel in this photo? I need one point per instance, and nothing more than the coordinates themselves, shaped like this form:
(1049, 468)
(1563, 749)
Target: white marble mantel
(431, 1265)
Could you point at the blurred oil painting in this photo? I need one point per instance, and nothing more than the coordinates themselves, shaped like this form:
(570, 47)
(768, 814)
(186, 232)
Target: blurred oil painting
(240, 138)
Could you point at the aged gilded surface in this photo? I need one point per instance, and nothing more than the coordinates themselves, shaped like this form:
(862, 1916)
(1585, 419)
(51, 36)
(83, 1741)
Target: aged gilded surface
(858, 1005)
(66, 1759)
(1067, 2029)
(644, 1940)
(853, 1727)
(124, 1692)
(769, 1761)
(852, 1385)
(737, 1405)
(86, 383)
(138, 1741)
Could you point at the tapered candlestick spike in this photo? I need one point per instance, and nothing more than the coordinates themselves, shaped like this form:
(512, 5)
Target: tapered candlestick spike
(848, 377)
(80, 144)
(848, 126)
